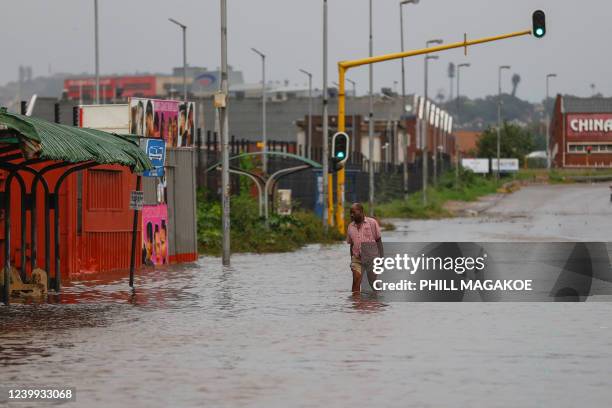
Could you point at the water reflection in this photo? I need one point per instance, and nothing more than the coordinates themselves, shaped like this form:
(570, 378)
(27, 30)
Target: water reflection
(366, 303)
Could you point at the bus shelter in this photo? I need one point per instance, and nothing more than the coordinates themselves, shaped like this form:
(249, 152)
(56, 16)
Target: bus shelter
(36, 159)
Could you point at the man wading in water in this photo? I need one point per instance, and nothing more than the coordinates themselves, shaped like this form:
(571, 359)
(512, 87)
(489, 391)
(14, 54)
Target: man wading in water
(361, 230)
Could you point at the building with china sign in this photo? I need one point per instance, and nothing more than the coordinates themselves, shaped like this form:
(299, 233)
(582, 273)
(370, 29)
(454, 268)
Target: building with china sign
(581, 132)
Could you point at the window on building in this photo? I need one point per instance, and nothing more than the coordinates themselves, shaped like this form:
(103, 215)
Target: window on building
(595, 148)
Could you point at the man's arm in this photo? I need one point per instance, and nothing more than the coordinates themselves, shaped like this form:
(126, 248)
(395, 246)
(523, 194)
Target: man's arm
(379, 244)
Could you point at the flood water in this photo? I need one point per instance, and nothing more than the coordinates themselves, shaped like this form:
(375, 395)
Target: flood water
(283, 330)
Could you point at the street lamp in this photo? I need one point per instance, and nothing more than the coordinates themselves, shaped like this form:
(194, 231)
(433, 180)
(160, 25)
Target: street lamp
(224, 131)
(353, 117)
(465, 65)
(184, 28)
(309, 138)
(424, 123)
(402, 3)
(97, 48)
(405, 147)
(325, 136)
(371, 121)
(548, 121)
(354, 114)
(499, 117)
(263, 97)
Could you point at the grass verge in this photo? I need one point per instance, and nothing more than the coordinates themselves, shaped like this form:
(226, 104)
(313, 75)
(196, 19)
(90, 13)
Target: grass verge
(468, 187)
(249, 232)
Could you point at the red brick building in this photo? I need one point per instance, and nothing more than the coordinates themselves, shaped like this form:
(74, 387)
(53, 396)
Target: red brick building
(581, 132)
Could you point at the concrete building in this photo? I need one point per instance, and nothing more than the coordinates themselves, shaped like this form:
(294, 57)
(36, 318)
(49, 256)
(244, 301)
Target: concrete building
(581, 132)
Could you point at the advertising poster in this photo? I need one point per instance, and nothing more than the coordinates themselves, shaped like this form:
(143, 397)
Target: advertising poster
(155, 235)
(186, 128)
(154, 118)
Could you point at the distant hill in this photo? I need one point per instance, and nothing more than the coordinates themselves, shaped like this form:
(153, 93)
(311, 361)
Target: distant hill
(42, 86)
(480, 113)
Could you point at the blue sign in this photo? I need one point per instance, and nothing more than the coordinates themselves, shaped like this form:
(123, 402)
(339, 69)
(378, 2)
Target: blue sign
(156, 151)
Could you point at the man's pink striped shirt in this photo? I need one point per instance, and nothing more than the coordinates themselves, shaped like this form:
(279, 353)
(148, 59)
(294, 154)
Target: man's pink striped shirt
(367, 231)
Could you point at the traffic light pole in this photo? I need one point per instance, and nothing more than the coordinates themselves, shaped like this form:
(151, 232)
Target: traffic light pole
(344, 66)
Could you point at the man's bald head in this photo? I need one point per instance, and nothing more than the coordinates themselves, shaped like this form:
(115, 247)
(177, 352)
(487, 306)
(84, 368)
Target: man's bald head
(357, 213)
(358, 206)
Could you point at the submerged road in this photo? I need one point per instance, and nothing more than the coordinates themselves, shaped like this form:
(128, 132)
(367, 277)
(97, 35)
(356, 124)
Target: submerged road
(545, 213)
(282, 330)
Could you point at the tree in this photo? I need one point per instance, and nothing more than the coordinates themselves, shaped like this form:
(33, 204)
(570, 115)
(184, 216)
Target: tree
(516, 80)
(515, 142)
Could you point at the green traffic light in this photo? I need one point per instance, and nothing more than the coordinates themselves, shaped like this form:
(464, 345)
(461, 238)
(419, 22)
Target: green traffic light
(340, 155)
(539, 24)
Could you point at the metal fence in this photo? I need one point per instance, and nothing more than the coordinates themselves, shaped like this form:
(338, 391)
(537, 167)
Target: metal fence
(388, 177)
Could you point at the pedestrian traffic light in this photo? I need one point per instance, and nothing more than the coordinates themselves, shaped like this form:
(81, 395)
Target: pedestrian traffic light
(340, 150)
(539, 24)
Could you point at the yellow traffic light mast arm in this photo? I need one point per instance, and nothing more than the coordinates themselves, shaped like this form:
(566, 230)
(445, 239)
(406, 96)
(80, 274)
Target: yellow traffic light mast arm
(344, 66)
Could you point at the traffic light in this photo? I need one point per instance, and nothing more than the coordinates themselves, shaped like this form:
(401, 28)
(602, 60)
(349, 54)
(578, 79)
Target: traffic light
(340, 150)
(539, 24)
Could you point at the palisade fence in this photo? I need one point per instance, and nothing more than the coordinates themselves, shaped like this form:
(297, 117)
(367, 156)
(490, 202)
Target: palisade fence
(388, 177)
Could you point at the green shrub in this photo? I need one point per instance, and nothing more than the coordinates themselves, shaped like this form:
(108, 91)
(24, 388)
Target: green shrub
(249, 232)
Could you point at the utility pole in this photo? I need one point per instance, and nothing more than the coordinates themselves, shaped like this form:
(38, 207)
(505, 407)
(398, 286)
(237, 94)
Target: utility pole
(184, 29)
(548, 161)
(436, 134)
(325, 141)
(308, 152)
(263, 120)
(224, 124)
(371, 122)
(424, 123)
(97, 48)
(499, 117)
(405, 147)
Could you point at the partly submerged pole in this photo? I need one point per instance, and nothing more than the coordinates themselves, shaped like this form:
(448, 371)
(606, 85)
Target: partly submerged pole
(134, 236)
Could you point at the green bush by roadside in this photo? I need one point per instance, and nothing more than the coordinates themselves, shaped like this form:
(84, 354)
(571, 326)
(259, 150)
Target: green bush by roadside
(249, 232)
(467, 187)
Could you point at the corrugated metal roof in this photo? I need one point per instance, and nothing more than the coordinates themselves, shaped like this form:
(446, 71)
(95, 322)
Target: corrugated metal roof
(52, 141)
(573, 104)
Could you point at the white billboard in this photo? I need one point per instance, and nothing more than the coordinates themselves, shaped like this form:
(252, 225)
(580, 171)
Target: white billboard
(480, 166)
(109, 118)
(506, 165)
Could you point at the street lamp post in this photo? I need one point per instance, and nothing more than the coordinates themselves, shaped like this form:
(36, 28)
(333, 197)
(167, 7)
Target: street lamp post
(353, 116)
(499, 117)
(325, 138)
(263, 98)
(308, 151)
(424, 123)
(184, 29)
(354, 138)
(371, 121)
(465, 65)
(405, 169)
(548, 162)
(224, 131)
(97, 48)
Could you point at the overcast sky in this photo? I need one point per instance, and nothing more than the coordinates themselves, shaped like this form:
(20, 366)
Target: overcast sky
(57, 36)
